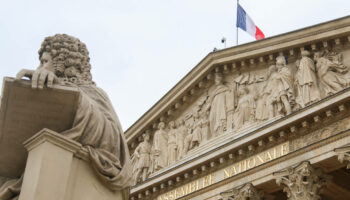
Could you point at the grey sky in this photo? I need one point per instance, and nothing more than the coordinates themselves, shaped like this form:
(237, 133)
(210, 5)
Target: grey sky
(140, 49)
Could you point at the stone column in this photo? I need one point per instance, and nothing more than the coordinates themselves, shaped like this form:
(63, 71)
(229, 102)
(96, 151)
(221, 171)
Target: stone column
(248, 191)
(48, 166)
(302, 182)
(343, 154)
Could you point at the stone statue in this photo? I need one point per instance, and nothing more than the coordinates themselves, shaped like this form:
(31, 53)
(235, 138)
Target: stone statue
(160, 150)
(218, 103)
(181, 132)
(245, 111)
(172, 147)
(305, 81)
(265, 108)
(142, 158)
(197, 130)
(285, 97)
(331, 74)
(65, 60)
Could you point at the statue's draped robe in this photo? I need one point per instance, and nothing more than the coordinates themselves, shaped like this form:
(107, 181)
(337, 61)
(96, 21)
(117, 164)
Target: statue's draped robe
(284, 87)
(245, 111)
(141, 159)
(332, 76)
(160, 150)
(265, 109)
(308, 91)
(96, 126)
(217, 113)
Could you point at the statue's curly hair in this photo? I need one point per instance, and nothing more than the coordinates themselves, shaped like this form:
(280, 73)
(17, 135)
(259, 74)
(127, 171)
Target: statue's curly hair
(70, 58)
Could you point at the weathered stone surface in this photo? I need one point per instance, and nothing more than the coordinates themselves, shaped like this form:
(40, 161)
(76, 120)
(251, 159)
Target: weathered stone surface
(25, 111)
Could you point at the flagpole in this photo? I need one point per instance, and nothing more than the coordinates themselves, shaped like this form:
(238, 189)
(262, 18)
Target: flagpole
(236, 23)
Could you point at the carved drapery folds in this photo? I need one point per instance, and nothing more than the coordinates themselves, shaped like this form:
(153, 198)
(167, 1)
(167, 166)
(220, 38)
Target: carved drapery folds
(248, 191)
(231, 102)
(302, 182)
(343, 154)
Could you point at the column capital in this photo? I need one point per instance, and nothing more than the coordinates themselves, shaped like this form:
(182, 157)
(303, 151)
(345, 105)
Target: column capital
(247, 191)
(343, 154)
(302, 182)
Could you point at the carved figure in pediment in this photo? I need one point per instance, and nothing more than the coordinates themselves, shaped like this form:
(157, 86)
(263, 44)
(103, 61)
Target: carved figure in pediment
(305, 81)
(285, 96)
(142, 159)
(172, 146)
(245, 111)
(160, 143)
(205, 125)
(181, 132)
(332, 73)
(197, 130)
(265, 108)
(188, 140)
(218, 104)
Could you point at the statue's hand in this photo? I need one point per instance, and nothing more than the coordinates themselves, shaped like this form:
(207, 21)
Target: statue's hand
(41, 75)
(38, 77)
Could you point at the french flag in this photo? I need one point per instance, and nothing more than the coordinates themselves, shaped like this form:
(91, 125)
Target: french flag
(246, 23)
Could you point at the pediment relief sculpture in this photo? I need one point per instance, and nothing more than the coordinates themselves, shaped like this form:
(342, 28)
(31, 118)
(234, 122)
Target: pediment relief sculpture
(231, 102)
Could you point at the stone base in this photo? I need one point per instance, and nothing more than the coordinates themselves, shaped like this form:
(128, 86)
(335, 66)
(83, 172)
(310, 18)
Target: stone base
(58, 169)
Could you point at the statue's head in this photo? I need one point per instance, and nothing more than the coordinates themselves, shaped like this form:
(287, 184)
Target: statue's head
(305, 53)
(69, 58)
(281, 61)
(218, 79)
(146, 136)
(172, 124)
(161, 125)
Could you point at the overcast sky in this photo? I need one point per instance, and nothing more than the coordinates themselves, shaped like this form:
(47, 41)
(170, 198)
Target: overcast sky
(140, 49)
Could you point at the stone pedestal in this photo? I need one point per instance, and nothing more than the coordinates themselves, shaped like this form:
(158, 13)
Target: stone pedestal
(57, 168)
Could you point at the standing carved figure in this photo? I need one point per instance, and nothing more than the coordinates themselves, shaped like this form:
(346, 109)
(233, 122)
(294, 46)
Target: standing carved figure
(265, 108)
(172, 147)
(285, 98)
(218, 104)
(306, 81)
(197, 130)
(205, 126)
(188, 140)
(65, 60)
(180, 138)
(245, 111)
(142, 159)
(160, 150)
(331, 74)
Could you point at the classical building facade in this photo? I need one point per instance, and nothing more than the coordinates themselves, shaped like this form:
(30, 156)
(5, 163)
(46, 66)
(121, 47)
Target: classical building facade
(264, 120)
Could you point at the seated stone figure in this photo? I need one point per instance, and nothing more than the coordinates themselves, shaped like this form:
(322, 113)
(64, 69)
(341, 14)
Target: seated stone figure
(65, 60)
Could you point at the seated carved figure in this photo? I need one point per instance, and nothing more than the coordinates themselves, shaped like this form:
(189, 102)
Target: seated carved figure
(332, 74)
(64, 60)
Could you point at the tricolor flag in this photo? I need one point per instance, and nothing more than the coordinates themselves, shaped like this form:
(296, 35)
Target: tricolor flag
(246, 23)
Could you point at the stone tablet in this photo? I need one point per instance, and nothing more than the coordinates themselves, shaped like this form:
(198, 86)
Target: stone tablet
(25, 111)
